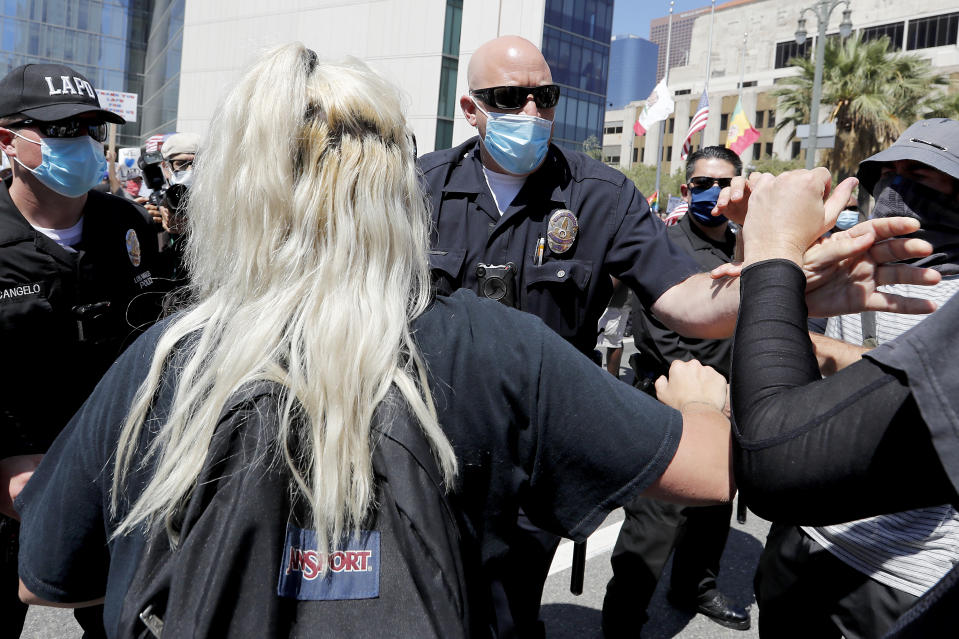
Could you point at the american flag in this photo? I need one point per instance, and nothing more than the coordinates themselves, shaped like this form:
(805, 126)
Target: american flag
(153, 142)
(698, 123)
(680, 210)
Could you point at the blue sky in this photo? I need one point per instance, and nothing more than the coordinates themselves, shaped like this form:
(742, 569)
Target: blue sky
(633, 16)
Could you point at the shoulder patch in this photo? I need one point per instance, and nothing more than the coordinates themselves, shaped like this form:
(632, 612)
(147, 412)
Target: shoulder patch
(133, 247)
(353, 569)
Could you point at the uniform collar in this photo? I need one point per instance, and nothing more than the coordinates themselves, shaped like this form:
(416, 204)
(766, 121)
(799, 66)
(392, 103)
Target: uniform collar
(13, 226)
(552, 180)
(701, 241)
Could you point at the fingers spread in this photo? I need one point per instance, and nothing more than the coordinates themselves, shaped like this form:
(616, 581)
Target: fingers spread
(899, 249)
(837, 200)
(837, 248)
(906, 274)
(897, 304)
(886, 227)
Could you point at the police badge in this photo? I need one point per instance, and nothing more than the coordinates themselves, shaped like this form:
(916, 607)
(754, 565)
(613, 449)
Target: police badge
(561, 232)
(133, 247)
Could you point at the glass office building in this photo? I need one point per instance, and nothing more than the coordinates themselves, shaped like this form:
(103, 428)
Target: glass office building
(576, 37)
(161, 71)
(108, 41)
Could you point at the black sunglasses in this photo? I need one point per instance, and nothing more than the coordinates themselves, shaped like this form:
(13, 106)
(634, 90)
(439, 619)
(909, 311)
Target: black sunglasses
(703, 182)
(510, 97)
(70, 128)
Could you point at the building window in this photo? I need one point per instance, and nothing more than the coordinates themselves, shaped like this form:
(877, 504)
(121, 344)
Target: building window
(786, 51)
(669, 154)
(759, 119)
(892, 31)
(723, 121)
(446, 103)
(749, 83)
(937, 31)
(451, 31)
(769, 149)
(771, 119)
(444, 134)
(757, 150)
(635, 155)
(796, 148)
(642, 154)
(682, 92)
(672, 125)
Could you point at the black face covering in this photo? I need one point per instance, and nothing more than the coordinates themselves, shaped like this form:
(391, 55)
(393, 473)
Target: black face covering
(938, 213)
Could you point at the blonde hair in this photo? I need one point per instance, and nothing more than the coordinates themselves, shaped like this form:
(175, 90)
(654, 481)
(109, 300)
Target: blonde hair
(308, 259)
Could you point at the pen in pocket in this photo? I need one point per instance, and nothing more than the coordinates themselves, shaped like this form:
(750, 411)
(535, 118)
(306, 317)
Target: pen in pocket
(540, 247)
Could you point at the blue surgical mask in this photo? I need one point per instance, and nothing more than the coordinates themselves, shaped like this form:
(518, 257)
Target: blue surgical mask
(69, 166)
(516, 141)
(847, 219)
(704, 201)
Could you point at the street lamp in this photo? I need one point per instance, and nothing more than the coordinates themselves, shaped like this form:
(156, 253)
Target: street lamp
(822, 10)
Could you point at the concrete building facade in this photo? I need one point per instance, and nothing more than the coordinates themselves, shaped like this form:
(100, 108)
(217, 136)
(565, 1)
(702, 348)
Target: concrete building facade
(423, 46)
(929, 30)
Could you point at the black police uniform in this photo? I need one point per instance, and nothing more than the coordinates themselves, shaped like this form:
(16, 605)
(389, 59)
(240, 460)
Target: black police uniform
(64, 318)
(617, 235)
(651, 527)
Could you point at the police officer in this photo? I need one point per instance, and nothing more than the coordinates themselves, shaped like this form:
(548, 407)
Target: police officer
(73, 262)
(519, 220)
(652, 528)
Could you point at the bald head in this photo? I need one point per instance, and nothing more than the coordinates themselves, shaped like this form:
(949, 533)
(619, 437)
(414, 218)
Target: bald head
(509, 60)
(506, 61)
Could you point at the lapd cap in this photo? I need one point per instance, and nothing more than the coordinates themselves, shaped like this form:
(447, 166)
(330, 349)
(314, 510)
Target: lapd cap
(933, 142)
(180, 143)
(50, 92)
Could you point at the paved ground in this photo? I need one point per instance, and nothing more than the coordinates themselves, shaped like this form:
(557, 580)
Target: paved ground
(568, 616)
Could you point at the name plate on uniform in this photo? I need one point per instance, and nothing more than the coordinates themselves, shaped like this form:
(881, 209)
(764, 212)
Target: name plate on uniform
(352, 570)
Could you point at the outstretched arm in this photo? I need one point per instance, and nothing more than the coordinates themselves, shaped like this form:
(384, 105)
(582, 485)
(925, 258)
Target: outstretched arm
(811, 450)
(701, 469)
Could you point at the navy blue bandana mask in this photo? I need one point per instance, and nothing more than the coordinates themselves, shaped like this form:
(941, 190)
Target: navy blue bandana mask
(938, 213)
(702, 202)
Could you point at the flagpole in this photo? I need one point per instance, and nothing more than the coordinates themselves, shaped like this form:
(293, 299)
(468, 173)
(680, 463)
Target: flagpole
(709, 59)
(742, 70)
(662, 125)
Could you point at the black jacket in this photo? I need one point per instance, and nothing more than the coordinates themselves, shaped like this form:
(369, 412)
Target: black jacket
(64, 317)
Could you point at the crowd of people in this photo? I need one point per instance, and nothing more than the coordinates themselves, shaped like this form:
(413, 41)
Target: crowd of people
(222, 465)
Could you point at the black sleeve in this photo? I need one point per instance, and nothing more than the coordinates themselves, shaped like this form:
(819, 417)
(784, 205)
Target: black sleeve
(63, 553)
(642, 254)
(819, 451)
(599, 442)
(65, 521)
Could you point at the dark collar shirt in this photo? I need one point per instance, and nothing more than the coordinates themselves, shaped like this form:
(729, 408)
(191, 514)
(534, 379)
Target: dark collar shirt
(615, 235)
(658, 345)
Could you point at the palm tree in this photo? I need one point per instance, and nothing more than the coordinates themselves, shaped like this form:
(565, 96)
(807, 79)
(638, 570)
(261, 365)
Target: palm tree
(872, 95)
(946, 107)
